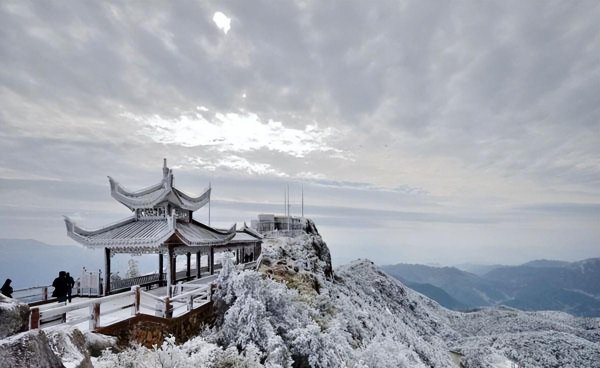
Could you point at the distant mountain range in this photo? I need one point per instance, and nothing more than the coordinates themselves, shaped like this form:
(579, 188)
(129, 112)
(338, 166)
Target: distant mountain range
(572, 287)
(31, 263)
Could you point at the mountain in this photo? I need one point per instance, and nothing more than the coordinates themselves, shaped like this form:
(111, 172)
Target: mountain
(437, 294)
(294, 310)
(477, 269)
(467, 288)
(30, 263)
(544, 263)
(571, 287)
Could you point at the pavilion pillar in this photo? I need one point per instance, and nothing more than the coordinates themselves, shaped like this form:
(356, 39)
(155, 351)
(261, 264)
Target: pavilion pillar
(188, 268)
(174, 270)
(170, 276)
(106, 271)
(161, 274)
(198, 264)
(211, 261)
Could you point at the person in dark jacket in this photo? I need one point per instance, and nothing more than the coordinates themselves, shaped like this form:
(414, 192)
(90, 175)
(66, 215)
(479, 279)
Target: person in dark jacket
(7, 290)
(70, 284)
(61, 287)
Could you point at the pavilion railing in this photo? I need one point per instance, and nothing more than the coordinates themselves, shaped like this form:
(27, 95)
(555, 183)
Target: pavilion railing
(139, 280)
(154, 279)
(104, 311)
(33, 294)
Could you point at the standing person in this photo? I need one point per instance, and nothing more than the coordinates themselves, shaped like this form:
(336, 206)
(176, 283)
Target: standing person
(70, 285)
(7, 290)
(61, 287)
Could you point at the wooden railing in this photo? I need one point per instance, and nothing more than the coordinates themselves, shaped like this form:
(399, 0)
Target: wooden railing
(33, 294)
(247, 265)
(153, 279)
(107, 310)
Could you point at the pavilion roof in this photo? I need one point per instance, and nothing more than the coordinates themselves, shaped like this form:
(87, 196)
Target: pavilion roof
(133, 232)
(164, 191)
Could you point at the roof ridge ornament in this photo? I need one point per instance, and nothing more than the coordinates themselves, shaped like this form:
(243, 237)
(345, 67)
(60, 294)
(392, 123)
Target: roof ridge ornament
(171, 220)
(165, 168)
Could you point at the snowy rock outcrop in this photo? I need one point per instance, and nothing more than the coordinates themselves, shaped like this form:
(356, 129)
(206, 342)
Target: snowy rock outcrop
(28, 349)
(14, 316)
(296, 312)
(60, 346)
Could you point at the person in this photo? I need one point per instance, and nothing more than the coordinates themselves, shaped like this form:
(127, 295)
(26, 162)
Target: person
(7, 290)
(70, 285)
(61, 287)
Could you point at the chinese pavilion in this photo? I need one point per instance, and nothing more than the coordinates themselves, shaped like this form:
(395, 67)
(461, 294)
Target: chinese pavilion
(163, 223)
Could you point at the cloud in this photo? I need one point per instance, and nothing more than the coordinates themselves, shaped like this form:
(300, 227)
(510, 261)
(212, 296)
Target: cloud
(235, 132)
(445, 113)
(233, 162)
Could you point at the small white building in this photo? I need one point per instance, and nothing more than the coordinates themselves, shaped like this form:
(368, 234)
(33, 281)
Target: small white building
(270, 223)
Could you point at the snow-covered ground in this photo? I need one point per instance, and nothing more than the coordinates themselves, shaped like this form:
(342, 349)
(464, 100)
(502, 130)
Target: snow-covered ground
(295, 311)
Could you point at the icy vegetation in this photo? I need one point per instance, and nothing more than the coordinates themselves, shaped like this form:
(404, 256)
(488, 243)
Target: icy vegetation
(295, 311)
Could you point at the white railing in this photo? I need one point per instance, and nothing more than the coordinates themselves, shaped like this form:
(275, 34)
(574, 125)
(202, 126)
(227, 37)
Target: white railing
(247, 266)
(33, 294)
(107, 310)
(283, 233)
(188, 300)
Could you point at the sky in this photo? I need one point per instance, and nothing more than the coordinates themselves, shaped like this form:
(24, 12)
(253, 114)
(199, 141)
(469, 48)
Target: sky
(420, 131)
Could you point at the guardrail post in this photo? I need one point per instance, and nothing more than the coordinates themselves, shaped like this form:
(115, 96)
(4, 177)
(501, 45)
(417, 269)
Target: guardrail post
(34, 318)
(136, 299)
(94, 316)
(168, 310)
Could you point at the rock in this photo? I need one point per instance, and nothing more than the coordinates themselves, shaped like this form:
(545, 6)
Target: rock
(70, 345)
(14, 316)
(28, 349)
(96, 343)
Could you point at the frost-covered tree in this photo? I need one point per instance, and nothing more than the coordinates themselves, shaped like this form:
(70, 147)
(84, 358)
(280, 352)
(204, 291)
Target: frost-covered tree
(132, 268)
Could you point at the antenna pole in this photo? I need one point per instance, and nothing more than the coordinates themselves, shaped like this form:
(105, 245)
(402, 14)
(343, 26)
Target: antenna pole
(302, 200)
(284, 203)
(209, 193)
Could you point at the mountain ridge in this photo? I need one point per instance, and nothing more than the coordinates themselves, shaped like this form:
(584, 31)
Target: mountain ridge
(536, 285)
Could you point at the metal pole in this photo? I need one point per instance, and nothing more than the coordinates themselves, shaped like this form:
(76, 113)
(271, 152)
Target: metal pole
(302, 200)
(209, 195)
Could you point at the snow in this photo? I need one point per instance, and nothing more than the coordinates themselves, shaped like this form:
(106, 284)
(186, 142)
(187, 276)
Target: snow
(295, 310)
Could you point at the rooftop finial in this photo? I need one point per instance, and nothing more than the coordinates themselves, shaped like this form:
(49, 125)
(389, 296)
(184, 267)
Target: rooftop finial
(165, 168)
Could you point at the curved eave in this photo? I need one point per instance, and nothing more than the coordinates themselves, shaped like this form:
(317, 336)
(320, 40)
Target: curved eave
(156, 194)
(144, 198)
(89, 238)
(222, 237)
(192, 203)
(252, 232)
